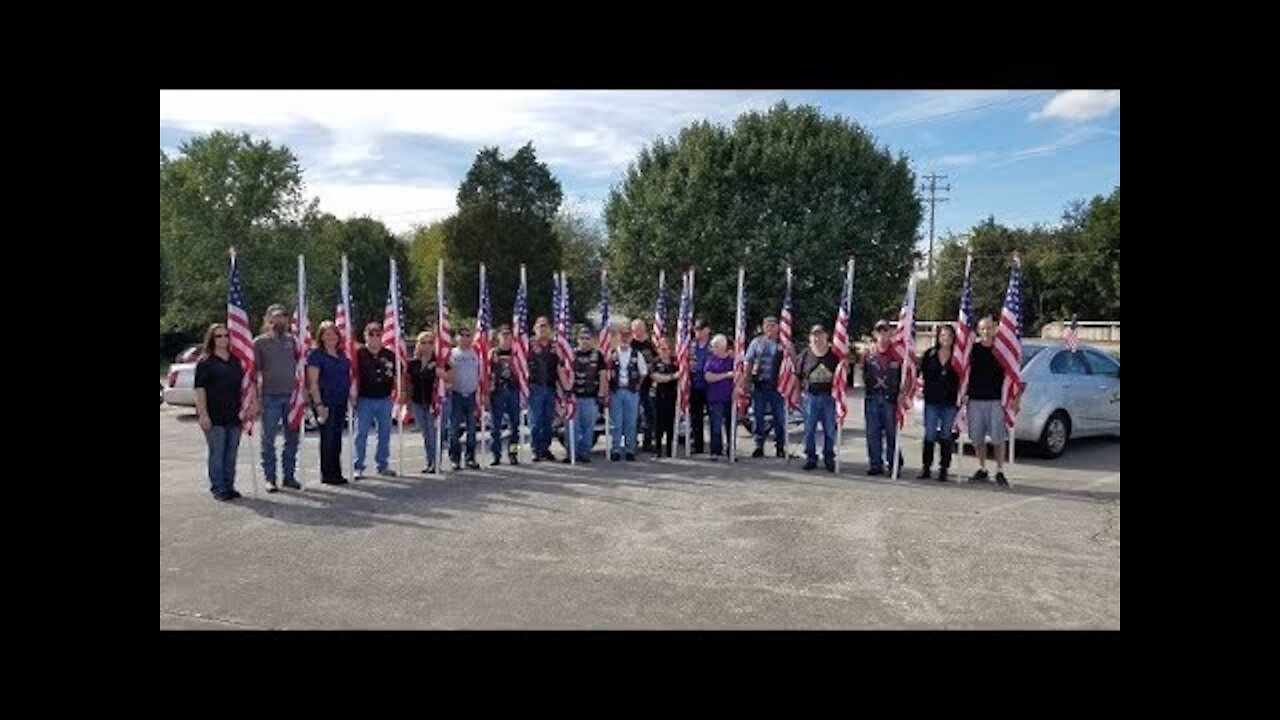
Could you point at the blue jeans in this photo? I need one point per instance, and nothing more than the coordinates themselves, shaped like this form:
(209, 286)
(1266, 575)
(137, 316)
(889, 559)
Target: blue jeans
(275, 415)
(464, 415)
(369, 411)
(719, 412)
(504, 403)
(767, 396)
(820, 407)
(622, 414)
(882, 431)
(223, 442)
(584, 427)
(542, 405)
(938, 420)
(426, 423)
(331, 442)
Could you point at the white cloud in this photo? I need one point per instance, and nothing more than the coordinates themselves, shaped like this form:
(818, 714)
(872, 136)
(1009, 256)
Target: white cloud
(924, 106)
(1075, 137)
(399, 206)
(591, 132)
(964, 158)
(1079, 105)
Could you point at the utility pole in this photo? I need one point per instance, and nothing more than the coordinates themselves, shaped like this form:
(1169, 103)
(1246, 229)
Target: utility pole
(932, 188)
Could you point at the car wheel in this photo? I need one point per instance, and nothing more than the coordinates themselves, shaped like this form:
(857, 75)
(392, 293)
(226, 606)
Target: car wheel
(1054, 436)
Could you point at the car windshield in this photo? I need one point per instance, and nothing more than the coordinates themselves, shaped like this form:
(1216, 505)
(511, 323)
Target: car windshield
(1028, 352)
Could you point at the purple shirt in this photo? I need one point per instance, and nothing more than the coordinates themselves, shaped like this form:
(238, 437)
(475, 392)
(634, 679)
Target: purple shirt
(722, 390)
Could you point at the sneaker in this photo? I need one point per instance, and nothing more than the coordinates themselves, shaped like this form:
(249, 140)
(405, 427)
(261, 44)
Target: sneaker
(457, 466)
(759, 453)
(875, 471)
(538, 457)
(831, 467)
(1000, 480)
(472, 464)
(942, 475)
(387, 472)
(271, 486)
(615, 457)
(291, 484)
(496, 462)
(514, 459)
(359, 474)
(234, 495)
(428, 470)
(782, 453)
(980, 476)
(548, 456)
(565, 460)
(584, 459)
(631, 457)
(924, 474)
(222, 496)
(334, 481)
(810, 464)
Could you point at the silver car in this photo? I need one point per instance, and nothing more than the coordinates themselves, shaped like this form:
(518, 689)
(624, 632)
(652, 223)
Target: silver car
(1068, 395)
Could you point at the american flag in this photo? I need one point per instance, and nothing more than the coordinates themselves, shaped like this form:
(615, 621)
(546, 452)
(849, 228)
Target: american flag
(787, 384)
(393, 336)
(484, 320)
(840, 345)
(520, 348)
(1072, 336)
(1008, 343)
(739, 348)
(560, 301)
(444, 339)
(683, 332)
(964, 344)
(660, 310)
(300, 326)
(904, 348)
(605, 339)
(344, 319)
(241, 340)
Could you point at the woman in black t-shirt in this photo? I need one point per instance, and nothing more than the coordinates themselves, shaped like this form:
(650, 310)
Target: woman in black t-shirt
(663, 376)
(218, 378)
(422, 380)
(940, 386)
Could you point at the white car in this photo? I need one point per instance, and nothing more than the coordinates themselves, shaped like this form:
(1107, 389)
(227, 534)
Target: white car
(1069, 395)
(180, 388)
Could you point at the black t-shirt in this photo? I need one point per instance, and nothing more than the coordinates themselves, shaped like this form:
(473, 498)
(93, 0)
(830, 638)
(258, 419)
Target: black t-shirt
(667, 390)
(423, 376)
(500, 370)
(587, 365)
(817, 373)
(985, 373)
(646, 348)
(221, 382)
(542, 363)
(377, 375)
(940, 381)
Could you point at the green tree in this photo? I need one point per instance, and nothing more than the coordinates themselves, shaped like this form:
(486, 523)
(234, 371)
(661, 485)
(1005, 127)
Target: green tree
(787, 185)
(504, 218)
(582, 245)
(426, 248)
(368, 245)
(223, 190)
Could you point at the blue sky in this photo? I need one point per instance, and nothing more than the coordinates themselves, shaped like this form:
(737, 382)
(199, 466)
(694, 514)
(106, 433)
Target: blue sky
(399, 156)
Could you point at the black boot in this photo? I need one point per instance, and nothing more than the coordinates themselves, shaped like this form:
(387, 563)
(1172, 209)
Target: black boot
(946, 461)
(927, 460)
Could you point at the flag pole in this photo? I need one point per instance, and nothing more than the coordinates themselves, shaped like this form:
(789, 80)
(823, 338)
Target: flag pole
(399, 342)
(297, 339)
(684, 285)
(902, 381)
(482, 393)
(348, 341)
(733, 406)
(605, 331)
(253, 449)
(439, 381)
(561, 333)
(786, 401)
(843, 367)
(524, 412)
(691, 350)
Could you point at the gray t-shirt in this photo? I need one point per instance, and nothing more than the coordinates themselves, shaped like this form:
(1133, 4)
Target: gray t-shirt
(467, 365)
(276, 361)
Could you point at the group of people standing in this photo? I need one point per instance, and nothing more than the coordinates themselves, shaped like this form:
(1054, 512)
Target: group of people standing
(636, 380)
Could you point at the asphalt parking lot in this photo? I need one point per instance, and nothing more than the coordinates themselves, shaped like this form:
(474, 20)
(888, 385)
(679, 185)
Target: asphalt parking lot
(673, 543)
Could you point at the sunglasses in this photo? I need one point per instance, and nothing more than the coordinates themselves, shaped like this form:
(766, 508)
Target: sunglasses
(221, 336)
